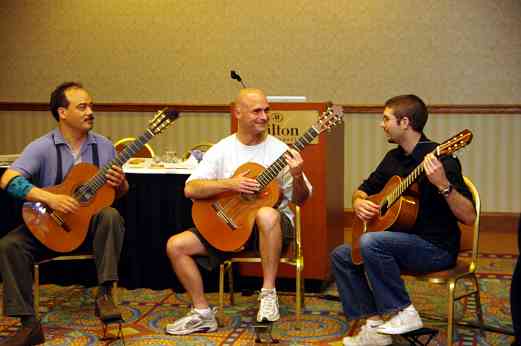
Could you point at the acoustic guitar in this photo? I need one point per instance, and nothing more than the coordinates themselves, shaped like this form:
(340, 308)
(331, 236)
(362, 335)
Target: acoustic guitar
(399, 199)
(226, 220)
(87, 184)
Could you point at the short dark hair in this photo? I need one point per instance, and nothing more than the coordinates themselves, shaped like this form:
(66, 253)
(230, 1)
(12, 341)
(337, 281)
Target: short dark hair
(410, 106)
(58, 98)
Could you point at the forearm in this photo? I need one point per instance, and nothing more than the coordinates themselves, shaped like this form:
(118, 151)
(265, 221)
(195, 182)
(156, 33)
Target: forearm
(300, 190)
(461, 207)
(25, 190)
(20, 188)
(38, 195)
(202, 188)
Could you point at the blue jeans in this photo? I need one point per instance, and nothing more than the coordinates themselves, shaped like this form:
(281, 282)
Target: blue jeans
(376, 288)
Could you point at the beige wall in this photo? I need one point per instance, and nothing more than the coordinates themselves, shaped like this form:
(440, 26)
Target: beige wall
(350, 52)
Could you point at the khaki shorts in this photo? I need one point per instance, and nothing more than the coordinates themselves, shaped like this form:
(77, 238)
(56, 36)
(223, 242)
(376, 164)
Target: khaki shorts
(216, 257)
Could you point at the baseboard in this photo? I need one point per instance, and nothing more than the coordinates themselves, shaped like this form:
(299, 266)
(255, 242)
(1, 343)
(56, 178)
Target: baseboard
(489, 221)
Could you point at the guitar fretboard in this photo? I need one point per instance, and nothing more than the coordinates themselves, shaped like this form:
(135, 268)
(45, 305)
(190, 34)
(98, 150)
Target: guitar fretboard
(276, 167)
(404, 185)
(97, 181)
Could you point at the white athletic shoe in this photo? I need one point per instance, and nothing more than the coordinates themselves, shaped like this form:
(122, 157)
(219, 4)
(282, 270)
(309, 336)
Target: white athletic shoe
(193, 322)
(269, 306)
(403, 322)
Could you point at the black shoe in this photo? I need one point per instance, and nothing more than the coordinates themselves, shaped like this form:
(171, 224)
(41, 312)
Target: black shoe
(106, 310)
(29, 335)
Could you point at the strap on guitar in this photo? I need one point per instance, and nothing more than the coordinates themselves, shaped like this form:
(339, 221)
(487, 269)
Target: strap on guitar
(59, 170)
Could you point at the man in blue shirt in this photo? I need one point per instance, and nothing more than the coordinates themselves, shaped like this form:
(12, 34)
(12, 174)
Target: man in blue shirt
(43, 163)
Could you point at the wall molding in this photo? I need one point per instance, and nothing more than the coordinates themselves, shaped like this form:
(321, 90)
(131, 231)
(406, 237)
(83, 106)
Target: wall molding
(445, 109)
(514, 109)
(489, 221)
(121, 107)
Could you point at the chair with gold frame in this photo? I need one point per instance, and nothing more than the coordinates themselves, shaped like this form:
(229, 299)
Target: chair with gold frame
(203, 147)
(465, 269)
(36, 282)
(293, 256)
(146, 151)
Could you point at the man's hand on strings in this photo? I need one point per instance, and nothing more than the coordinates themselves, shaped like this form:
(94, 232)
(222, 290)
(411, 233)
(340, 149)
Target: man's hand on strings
(242, 183)
(115, 176)
(435, 172)
(295, 162)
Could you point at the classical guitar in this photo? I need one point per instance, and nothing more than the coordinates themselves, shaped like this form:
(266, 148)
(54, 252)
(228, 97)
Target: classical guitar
(87, 184)
(226, 220)
(398, 200)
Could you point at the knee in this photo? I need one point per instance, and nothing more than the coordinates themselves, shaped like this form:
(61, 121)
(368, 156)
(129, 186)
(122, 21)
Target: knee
(267, 218)
(4, 246)
(8, 246)
(340, 256)
(175, 246)
(110, 214)
(370, 241)
(172, 247)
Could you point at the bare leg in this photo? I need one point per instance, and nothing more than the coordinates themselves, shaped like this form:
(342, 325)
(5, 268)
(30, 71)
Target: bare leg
(270, 243)
(180, 248)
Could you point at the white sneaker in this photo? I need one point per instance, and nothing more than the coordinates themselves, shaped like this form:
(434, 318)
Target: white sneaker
(193, 322)
(403, 322)
(269, 306)
(368, 336)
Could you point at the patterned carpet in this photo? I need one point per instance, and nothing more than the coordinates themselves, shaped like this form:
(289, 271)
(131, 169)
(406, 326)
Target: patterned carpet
(68, 317)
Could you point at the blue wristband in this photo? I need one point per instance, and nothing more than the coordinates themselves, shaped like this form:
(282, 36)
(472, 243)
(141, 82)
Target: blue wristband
(19, 187)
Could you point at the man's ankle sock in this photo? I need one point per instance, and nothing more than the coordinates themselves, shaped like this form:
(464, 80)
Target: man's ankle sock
(207, 312)
(271, 290)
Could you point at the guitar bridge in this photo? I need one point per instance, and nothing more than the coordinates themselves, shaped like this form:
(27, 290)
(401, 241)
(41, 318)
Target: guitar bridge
(220, 212)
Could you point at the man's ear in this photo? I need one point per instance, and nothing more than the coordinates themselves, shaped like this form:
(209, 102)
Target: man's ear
(405, 122)
(236, 112)
(61, 112)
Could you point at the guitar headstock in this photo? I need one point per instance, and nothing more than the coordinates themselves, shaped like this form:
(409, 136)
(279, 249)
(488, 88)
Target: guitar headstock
(330, 118)
(162, 119)
(454, 143)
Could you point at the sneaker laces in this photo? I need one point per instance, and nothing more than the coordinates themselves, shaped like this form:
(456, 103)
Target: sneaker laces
(268, 300)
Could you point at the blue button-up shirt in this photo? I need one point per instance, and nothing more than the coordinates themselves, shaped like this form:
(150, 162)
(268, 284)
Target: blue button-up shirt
(39, 161)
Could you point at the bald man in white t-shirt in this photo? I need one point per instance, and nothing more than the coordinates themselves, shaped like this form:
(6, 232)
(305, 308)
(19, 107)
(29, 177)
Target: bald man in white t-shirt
(214, 175)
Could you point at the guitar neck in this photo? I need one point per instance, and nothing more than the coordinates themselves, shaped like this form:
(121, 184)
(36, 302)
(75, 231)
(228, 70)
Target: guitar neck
(100, 179)
(411, 178)
(448, 147)
(276, 167)
(404, 185)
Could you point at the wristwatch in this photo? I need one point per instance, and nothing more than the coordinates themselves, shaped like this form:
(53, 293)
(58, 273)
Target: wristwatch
(445, 192)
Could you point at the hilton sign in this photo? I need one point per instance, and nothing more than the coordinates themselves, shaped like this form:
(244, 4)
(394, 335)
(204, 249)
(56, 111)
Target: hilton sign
(288, 126)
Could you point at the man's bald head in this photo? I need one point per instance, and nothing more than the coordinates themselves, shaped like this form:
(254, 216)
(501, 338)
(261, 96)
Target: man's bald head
(246, 96)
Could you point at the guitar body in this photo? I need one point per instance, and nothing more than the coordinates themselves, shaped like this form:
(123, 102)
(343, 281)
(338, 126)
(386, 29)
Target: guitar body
(402, 214)
(227, 219)
(69, 235)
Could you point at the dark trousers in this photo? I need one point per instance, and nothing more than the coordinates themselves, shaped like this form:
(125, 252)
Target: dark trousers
(19, 250)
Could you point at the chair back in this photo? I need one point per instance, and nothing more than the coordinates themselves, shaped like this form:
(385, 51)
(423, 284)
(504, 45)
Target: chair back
(203, 147)
(146, 151)
(470, 233)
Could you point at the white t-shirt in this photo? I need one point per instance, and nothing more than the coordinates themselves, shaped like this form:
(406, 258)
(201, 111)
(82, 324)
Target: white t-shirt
(222, 160)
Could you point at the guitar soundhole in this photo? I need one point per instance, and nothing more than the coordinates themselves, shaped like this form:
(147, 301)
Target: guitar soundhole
(249, 197)
(84, 193)
(383, 208)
